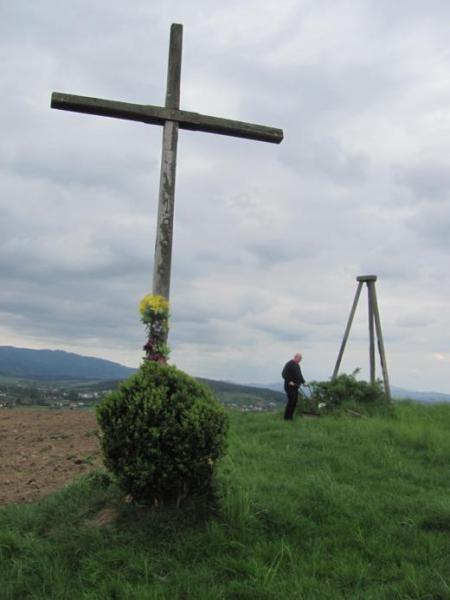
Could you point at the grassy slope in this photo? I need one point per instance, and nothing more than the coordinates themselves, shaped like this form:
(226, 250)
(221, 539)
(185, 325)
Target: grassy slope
(315, 509)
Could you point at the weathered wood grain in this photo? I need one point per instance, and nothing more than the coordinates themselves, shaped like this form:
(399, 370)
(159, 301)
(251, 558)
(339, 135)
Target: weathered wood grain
(158, 115)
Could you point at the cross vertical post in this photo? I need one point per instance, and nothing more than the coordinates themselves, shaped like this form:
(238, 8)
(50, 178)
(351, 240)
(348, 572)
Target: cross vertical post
(166, 202)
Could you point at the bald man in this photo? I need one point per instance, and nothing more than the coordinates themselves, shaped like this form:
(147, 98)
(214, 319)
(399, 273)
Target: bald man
(293, 379)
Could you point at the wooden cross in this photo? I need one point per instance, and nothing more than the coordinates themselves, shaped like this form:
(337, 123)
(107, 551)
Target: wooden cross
(171, 118)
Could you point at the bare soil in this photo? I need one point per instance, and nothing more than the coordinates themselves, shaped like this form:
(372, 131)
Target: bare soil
(41, 450)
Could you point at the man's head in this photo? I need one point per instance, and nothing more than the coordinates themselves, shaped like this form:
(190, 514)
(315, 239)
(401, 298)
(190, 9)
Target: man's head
(298, 357)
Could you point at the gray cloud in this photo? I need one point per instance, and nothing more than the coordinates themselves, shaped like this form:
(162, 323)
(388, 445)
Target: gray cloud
(268, 239)
(432, 224)
(427, 182)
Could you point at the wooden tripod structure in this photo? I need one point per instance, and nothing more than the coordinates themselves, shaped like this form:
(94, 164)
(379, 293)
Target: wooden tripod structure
(374, 325)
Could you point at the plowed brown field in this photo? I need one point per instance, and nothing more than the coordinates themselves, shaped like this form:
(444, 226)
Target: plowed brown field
(41, 450)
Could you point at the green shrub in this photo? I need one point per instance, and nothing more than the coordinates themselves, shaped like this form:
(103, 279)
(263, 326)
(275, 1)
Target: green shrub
(307, 403)
(346, 389)
(163, 433)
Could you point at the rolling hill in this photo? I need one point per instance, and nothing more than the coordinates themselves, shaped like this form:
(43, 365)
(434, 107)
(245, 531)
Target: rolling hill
(57, 364)
(68, 369)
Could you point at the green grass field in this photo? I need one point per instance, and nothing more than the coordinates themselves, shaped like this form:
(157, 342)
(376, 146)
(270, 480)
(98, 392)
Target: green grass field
(331, 508)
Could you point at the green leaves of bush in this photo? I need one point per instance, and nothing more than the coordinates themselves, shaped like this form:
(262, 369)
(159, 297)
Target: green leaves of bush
(163, 433)
(346, 389)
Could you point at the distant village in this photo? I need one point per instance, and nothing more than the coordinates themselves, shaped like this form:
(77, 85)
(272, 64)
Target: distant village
(259, 406)
(24, 394)
(60, 396)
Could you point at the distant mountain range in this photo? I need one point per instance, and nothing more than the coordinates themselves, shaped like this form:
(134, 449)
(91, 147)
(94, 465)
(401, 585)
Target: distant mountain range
(396, 392)
(419, 396)
(59, 365)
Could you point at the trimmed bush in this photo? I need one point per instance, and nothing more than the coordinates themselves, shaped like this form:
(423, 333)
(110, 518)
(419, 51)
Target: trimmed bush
(346, 389)
(163, 433)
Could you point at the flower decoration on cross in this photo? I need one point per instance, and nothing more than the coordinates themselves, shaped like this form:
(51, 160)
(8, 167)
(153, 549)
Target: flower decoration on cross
(155, 316)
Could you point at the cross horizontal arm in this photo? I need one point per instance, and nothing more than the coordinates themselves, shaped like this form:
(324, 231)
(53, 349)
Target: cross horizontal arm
(157, 115)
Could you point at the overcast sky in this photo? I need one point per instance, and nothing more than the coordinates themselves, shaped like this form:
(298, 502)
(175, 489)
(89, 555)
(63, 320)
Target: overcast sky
(268, 239)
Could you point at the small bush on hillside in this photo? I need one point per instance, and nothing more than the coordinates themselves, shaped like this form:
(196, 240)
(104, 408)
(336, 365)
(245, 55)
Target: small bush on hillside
(306, 402)
(346, 389)
(163, 433)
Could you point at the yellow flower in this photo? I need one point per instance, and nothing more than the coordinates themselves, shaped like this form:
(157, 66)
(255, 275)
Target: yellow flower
(154, 304)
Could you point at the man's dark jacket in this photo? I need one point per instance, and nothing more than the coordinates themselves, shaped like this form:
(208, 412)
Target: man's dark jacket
(292, 372)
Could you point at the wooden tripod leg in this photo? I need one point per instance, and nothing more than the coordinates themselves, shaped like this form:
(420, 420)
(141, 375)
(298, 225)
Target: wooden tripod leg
(371, 333)
(376, 315)
(347, 330)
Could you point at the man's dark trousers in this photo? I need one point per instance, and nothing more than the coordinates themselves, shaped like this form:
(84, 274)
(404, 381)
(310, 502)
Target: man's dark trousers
(292, 396)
